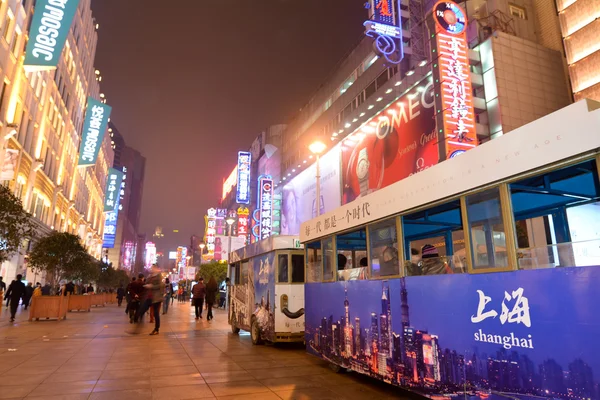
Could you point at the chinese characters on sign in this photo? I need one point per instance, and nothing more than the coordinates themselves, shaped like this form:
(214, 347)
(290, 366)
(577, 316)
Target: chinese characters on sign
(457, 98)
(243, 177)
(351, 216)
(518, 314)
(265, 205)
(96, 120)
(385, 26)
(242, 225)
(110, 230)
(113, 186)
(211, 231)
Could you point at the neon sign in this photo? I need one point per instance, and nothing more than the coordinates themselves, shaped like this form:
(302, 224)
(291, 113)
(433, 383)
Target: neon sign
(113, 186)
(110, 230)
(457, 98)
(150, 254)
(243, 178)
(242, 225)
(385, 26)
(265, 206)
(229, 183)
(211, 230)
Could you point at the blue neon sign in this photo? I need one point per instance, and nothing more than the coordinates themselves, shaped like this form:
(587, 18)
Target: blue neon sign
(385, 26)
(243, 179)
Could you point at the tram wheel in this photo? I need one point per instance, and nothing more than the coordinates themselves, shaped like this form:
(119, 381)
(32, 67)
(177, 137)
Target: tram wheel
(255, 332)
(234, 329)
(335, 368)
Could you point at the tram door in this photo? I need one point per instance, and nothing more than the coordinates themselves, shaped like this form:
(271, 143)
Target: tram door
(289, 292)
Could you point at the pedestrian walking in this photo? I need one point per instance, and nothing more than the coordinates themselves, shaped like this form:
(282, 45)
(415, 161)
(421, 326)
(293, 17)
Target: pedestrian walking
(2, 285)
(198, 293)
(120, 294)
(156, 288)
(168, 295)
(14, 293)
(28, 294)
(46, 289)
(211, 296)
(70, 288)
(90, 289)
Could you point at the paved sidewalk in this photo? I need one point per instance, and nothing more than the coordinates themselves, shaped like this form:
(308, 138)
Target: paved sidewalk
(91, 356)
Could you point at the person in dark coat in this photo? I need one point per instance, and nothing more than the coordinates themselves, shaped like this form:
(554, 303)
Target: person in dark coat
(120, 294)
(211, 296)
(15, 291)
(46, 289)
(90, 289)
(199, 292)
(28, 294)
(70, 288)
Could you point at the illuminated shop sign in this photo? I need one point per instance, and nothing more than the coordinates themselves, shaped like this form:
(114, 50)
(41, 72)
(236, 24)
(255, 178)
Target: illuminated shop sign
(243, 219)
(385, 26)
(94, 126)
(457, 98)
(50, 27)
(265, 206)
(181, 257)
(110, 230)
(243, 177)
(122, 191)
(229, 183)
(150, 255)
(113, 185)
(211, 230)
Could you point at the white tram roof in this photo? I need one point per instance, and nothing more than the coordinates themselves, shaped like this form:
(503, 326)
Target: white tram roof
(566, 133)
(272, 243)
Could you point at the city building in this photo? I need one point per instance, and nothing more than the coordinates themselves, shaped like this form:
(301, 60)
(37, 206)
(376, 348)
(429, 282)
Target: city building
(42, 116)
(580, 26)
(122, 253)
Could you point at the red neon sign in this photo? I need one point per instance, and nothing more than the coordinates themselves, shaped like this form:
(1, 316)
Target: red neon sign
(457, 95)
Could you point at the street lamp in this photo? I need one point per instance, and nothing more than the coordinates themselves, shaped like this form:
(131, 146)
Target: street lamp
(202, 246)
(229, 221)
(317, 148)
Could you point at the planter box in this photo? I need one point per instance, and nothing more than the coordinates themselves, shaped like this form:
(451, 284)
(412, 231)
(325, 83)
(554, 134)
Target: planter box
(80, 302)
(48, 307)
(97, 300)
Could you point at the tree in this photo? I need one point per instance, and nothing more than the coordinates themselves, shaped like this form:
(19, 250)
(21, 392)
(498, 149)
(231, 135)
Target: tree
(110, 277)
(15, 224)
(62, 256)
(216, 269)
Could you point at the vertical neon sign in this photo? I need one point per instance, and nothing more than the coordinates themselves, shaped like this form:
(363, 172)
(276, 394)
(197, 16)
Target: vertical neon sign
(243, 178)
(385, 26)
(457, 97)
(242, 225)
(265, 206)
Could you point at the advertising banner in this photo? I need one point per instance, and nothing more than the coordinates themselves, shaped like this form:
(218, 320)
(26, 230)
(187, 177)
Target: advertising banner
(398, 142)
(222, 244)
(242, 224)
(9, 166)
(299, 197)
(243, 177)
(50, 27)
(265, 206)
(512, 334)
(113, 188)
(94, 126)
(211, 231)
(110, 230)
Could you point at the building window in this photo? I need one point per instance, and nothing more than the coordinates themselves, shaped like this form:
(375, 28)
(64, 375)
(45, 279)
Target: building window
(517, 11)
(8, 27)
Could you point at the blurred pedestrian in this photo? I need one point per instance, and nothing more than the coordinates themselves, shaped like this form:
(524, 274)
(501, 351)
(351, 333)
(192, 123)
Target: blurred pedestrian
(120, 294)
(211, 296)
(70, 288)
(14, 293)
(90, 289)
(46, 289)
(28, 294)
(155, 289)
(168, 295)
(198, 293)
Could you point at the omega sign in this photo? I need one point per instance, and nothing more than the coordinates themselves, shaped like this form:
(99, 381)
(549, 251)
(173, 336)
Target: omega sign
(49, 29)
(265, 202)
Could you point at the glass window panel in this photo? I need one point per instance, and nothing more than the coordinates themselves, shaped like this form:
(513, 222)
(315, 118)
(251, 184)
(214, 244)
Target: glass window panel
(282, 276)
(314, 263)
(297, 268)
(351, 251)
(328, 261)
(488, 239)
(245, 272)
(383, 243)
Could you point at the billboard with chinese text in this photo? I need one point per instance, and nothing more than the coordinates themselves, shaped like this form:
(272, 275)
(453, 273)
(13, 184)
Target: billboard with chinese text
(521, 333)
(398, 142)
(113, 190)
(299, 196)
(243, 177)
(96, 120)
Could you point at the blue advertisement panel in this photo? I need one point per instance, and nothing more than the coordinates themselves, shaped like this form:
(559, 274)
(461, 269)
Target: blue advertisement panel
(513, 335)
(110, 230)
(94, 126)
(242, 195)
(264, 294)
(50, 26)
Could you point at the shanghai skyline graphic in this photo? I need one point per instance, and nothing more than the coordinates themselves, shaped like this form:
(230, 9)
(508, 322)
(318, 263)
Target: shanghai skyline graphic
(386, 346)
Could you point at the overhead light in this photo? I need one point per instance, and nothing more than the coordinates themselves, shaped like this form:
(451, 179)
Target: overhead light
(348, 125)
(398, 83)
(299, 165)
(289, 174)
(304, 162)
(389, 91)
(379, 98)
(294, 170)
(341, 131)
(422, 63)
(355, 119)
(362, 114)
(409, 73)
(334, 135)
(370, 107)
(284, 178)
(310, 156)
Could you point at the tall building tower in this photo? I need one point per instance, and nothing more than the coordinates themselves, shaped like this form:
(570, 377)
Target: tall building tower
(580, 27)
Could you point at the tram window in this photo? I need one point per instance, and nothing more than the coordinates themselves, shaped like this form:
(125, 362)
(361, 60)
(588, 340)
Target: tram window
(488, 238)
(351, 251)
(244, 273)
(383, 243)
(557, 215)
(236, 274)
(434, 240)
(282, 276)
(297, 268)
(314, 264)
(328, 261)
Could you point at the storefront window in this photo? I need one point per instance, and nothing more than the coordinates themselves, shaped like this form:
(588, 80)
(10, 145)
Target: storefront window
(488, 238)
(383, 243)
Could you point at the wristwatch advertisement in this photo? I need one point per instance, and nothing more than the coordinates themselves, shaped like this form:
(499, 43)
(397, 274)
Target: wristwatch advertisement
(362, 171)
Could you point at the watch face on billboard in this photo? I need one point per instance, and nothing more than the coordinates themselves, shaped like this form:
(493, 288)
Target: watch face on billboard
(450, 17)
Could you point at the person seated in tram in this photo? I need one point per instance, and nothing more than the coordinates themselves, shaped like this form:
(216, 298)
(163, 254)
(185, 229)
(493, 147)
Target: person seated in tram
(412, 266)
(431, 262)
(389, 266)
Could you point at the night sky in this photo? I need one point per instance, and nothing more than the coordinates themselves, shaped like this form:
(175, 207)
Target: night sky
(191, 82)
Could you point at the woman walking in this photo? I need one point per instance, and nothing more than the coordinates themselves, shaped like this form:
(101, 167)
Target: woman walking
(211, 296)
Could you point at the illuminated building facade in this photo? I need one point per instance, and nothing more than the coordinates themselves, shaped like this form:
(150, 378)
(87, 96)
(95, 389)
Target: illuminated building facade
(42, 116)
(580, 26)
